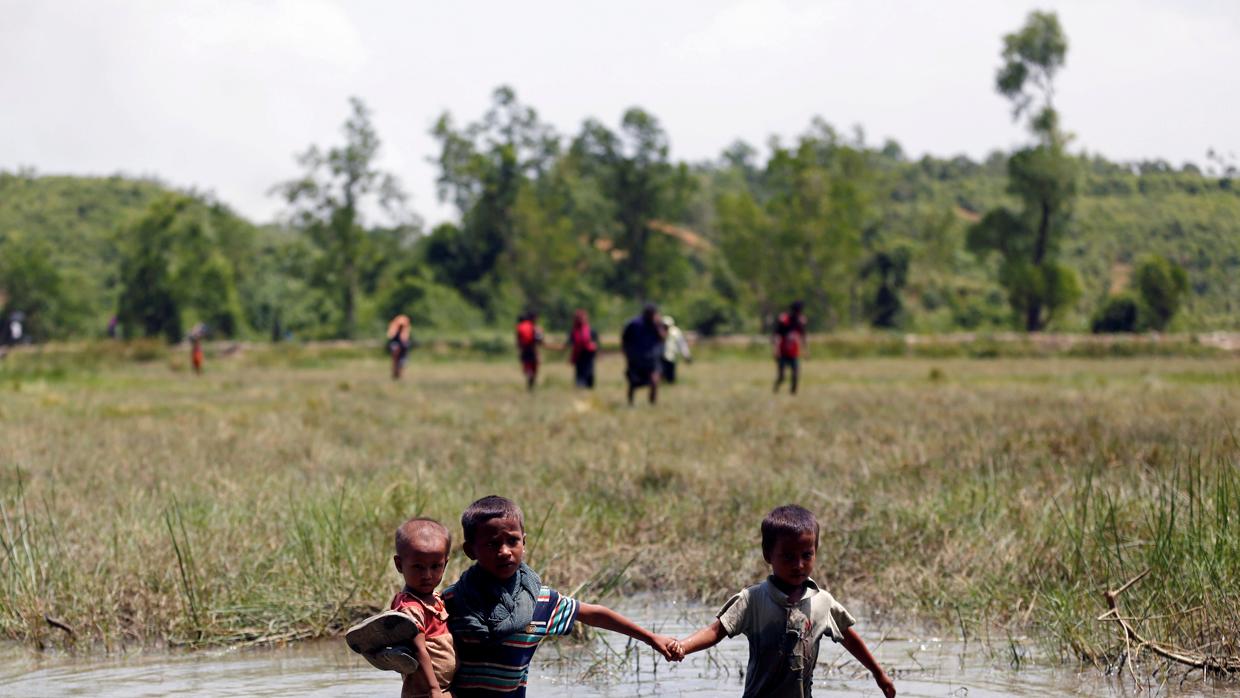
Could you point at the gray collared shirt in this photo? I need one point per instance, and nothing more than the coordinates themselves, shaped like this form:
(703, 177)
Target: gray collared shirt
(783, 637)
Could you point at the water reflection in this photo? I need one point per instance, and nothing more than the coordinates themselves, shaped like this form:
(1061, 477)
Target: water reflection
(606, 666)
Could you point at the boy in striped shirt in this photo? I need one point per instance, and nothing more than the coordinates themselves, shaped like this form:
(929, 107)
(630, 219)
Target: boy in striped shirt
(499, 611)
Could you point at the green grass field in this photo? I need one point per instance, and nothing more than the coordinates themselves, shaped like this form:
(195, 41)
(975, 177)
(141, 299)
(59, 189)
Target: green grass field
(142, 505)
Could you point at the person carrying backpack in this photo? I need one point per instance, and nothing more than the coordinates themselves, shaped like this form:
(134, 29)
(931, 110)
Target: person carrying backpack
(789, 341)
(529, 336)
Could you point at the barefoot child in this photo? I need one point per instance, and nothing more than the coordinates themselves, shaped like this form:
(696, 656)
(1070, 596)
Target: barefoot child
(499, 611)
(787, 615)
(412, 638)
(422, 550)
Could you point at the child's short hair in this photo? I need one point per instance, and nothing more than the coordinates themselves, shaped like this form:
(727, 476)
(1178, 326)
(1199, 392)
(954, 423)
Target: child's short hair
(788, 520)
(489, 507)
(420, 527)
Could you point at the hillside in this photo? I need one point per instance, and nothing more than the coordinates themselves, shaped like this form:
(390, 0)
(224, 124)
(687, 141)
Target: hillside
(925, 206)
(78, 217)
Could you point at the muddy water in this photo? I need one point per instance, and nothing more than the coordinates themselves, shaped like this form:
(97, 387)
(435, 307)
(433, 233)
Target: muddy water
(922, 666)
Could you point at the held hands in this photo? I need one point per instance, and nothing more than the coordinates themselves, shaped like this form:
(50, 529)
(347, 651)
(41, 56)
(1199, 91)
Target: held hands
(669, 647)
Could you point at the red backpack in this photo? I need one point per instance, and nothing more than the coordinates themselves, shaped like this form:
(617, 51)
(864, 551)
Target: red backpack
(789, 330)
(525, 333)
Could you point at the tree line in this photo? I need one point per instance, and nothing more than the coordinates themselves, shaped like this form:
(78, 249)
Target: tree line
(605, 219)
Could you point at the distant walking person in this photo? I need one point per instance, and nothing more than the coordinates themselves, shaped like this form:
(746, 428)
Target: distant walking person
(196, 336)
(399, 339)
(15, 327)
(529, 336)
(674, 347)
(583, 343)
(789, 340)
(642, 342)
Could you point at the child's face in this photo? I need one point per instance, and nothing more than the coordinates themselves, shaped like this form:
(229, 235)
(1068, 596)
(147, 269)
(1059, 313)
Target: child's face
(422, 564)
(792, 558)
(498, 546)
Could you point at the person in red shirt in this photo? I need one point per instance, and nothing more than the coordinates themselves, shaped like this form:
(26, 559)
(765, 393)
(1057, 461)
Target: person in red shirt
(789, 341)
(583, 342)
(529, 336)
(196, 336)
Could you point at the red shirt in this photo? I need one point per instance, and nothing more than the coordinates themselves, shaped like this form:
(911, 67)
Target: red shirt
(432, 620)
(791, 331)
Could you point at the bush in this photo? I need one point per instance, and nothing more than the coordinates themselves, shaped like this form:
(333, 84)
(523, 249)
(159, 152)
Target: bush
(1161, 283)
(1120, 313)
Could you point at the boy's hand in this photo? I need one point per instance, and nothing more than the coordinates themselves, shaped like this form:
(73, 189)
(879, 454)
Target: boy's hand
(885, 684)
(669, 647)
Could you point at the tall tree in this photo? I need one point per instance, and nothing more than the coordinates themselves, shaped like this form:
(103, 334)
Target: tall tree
(33, 284)
(1162, 284)
(1043, 177)
(634, 172)
(149, 301)
(483, 168)
(327, 204)
(799, 234)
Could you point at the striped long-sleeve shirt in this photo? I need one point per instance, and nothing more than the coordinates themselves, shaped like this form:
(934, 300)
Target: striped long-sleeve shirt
(489, 669)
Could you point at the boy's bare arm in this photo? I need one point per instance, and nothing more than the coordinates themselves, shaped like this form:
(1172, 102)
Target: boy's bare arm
(607, 619)
(424, 665)
(856, 647)
(704, 639)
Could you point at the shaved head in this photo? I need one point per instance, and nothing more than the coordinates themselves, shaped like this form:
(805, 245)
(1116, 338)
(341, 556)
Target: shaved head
(422, 535)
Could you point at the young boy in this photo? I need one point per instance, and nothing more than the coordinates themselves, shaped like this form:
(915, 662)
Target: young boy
(412, 638)
(422, 550)
(785, 617)
(499, 611)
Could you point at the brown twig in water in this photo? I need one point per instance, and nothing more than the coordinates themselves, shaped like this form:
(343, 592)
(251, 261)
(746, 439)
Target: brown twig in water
(1135, 642)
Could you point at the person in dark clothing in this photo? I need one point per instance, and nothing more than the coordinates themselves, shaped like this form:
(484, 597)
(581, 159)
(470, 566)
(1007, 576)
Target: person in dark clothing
(789, 340)
(642, 342)
(583, 343)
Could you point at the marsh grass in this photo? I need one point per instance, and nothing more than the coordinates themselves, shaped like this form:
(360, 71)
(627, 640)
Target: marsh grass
(140, 505)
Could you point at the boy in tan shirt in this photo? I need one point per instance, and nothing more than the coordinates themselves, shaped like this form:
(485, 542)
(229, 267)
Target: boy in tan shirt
(787, 615)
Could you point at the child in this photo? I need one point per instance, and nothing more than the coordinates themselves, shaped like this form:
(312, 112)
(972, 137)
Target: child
(785, 616)
(529, 336)
(674, 347)
(499, 611)
(412, 638)
(422, 550)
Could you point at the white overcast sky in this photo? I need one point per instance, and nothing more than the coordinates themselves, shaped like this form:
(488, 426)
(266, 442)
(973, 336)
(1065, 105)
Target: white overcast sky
(221, 94)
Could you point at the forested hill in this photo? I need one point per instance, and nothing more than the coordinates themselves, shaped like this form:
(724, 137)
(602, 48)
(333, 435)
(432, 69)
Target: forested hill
(74, 233)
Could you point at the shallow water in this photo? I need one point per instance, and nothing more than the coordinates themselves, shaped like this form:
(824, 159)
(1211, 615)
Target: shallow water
(606, 666)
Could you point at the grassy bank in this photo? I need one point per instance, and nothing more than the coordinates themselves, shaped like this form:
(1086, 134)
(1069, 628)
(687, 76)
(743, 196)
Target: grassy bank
(142, 505)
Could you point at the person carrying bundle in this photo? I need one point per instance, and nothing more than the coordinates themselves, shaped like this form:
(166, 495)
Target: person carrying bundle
(399, 338)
